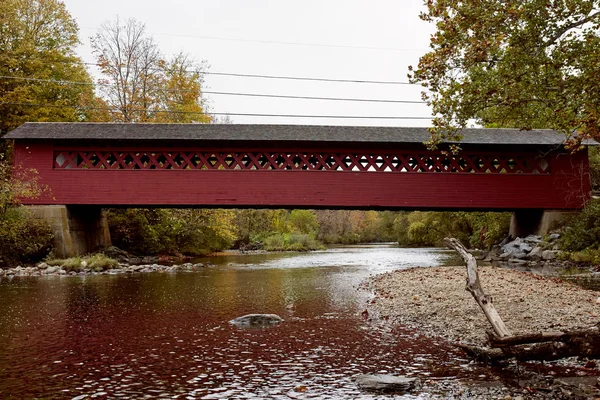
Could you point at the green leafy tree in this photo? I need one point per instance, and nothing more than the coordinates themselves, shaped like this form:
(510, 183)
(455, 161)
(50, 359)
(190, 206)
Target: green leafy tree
(513, 63)
(583, 231)
(171, 232)
(304, 221)
(479, 229)
(38, 39)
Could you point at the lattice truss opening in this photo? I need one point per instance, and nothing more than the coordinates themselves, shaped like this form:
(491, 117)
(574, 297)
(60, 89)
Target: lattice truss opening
(307, 161)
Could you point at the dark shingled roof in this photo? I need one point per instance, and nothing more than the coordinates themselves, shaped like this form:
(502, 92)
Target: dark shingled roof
(287, 133)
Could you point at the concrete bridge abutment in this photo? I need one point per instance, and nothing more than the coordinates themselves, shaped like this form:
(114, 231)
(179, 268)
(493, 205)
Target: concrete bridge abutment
(537, 222)
(77, 229)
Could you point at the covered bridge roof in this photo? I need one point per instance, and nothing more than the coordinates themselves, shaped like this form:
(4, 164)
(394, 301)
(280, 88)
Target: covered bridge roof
(284, 133)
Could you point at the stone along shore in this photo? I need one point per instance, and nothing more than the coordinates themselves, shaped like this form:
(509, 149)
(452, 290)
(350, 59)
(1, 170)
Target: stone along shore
(43, 269)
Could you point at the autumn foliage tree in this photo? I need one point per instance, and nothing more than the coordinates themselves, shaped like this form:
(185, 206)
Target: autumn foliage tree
(38, 39)
(181, 94)
(513, 63)
(140, 84)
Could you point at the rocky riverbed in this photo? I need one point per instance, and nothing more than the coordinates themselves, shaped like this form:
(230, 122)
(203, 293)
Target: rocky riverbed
(42, 269)
(435, 301)
(532, 250)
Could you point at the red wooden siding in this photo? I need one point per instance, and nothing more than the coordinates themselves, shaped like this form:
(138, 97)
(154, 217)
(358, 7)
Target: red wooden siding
(328, 178)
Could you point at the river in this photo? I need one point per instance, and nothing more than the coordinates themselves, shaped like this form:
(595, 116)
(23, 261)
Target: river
(167, 334)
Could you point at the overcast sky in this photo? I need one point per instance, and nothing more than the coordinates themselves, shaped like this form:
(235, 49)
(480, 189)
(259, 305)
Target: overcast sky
(339, 39)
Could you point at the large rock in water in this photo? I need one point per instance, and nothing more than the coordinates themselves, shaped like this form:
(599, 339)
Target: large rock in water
(385, 383)
(257, 320)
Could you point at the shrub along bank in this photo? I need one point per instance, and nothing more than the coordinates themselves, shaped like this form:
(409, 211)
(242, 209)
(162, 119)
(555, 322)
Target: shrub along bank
(581, 235)
(474, 229)
(22, 239)
(171, 231)
(94, 262)
(291, 242)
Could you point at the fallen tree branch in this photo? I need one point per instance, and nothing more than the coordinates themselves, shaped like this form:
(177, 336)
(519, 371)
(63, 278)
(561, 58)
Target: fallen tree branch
(540, 337)
(474, 286)
(482, 353)
(533, 346)
(583, 346)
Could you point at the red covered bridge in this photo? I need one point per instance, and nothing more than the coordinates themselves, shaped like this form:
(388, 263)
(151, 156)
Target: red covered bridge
(291, 166)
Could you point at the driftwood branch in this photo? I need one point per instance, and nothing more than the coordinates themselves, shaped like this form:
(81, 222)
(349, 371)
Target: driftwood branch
(533, 346)
(540, 337)
(474, 286)
(584, 345)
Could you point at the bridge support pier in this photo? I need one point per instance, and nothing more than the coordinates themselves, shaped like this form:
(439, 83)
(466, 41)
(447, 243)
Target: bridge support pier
(536, 222)
(77, 229)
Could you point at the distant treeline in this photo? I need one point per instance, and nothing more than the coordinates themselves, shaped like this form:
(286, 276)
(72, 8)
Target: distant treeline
(200, 231)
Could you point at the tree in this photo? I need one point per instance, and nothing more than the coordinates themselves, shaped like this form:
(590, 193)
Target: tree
(181, 93)
(513, 63)
(304, 221)
(167, 231)
(38, 39)
(130, 62)
(139, 83)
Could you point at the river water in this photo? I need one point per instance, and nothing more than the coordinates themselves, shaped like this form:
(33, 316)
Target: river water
(167, 334)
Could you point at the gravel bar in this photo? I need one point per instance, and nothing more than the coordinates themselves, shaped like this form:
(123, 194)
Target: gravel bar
(435, 301)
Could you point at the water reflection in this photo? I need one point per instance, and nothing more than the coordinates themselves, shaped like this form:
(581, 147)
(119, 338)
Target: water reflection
(163, 335)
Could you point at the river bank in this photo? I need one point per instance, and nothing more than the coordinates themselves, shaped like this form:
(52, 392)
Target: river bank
(435, 301)
(43, 269)
(120, 262)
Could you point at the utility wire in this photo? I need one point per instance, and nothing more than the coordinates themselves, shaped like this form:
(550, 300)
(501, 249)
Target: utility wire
(286, 77)
(63, 82)
(339, 46)
(303, 78)
(213, 113)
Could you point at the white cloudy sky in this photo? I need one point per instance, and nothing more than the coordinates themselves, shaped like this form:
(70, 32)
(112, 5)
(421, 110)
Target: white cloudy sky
(340, 39)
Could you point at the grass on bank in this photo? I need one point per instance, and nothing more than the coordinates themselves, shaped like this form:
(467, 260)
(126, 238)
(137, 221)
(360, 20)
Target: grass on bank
(291, 242)
(95, 262)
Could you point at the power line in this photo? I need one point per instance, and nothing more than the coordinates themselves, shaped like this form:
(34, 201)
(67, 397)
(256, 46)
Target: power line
(303, 78)
(285, 77)
(214, 113)
(316, 97)
(339, 46)
(63, 82)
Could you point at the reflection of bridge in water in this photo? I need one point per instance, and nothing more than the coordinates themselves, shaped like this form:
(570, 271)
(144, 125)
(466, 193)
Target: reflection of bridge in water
(291, 166)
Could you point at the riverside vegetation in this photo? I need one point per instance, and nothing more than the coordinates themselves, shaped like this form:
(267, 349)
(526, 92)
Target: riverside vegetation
(195, 232)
